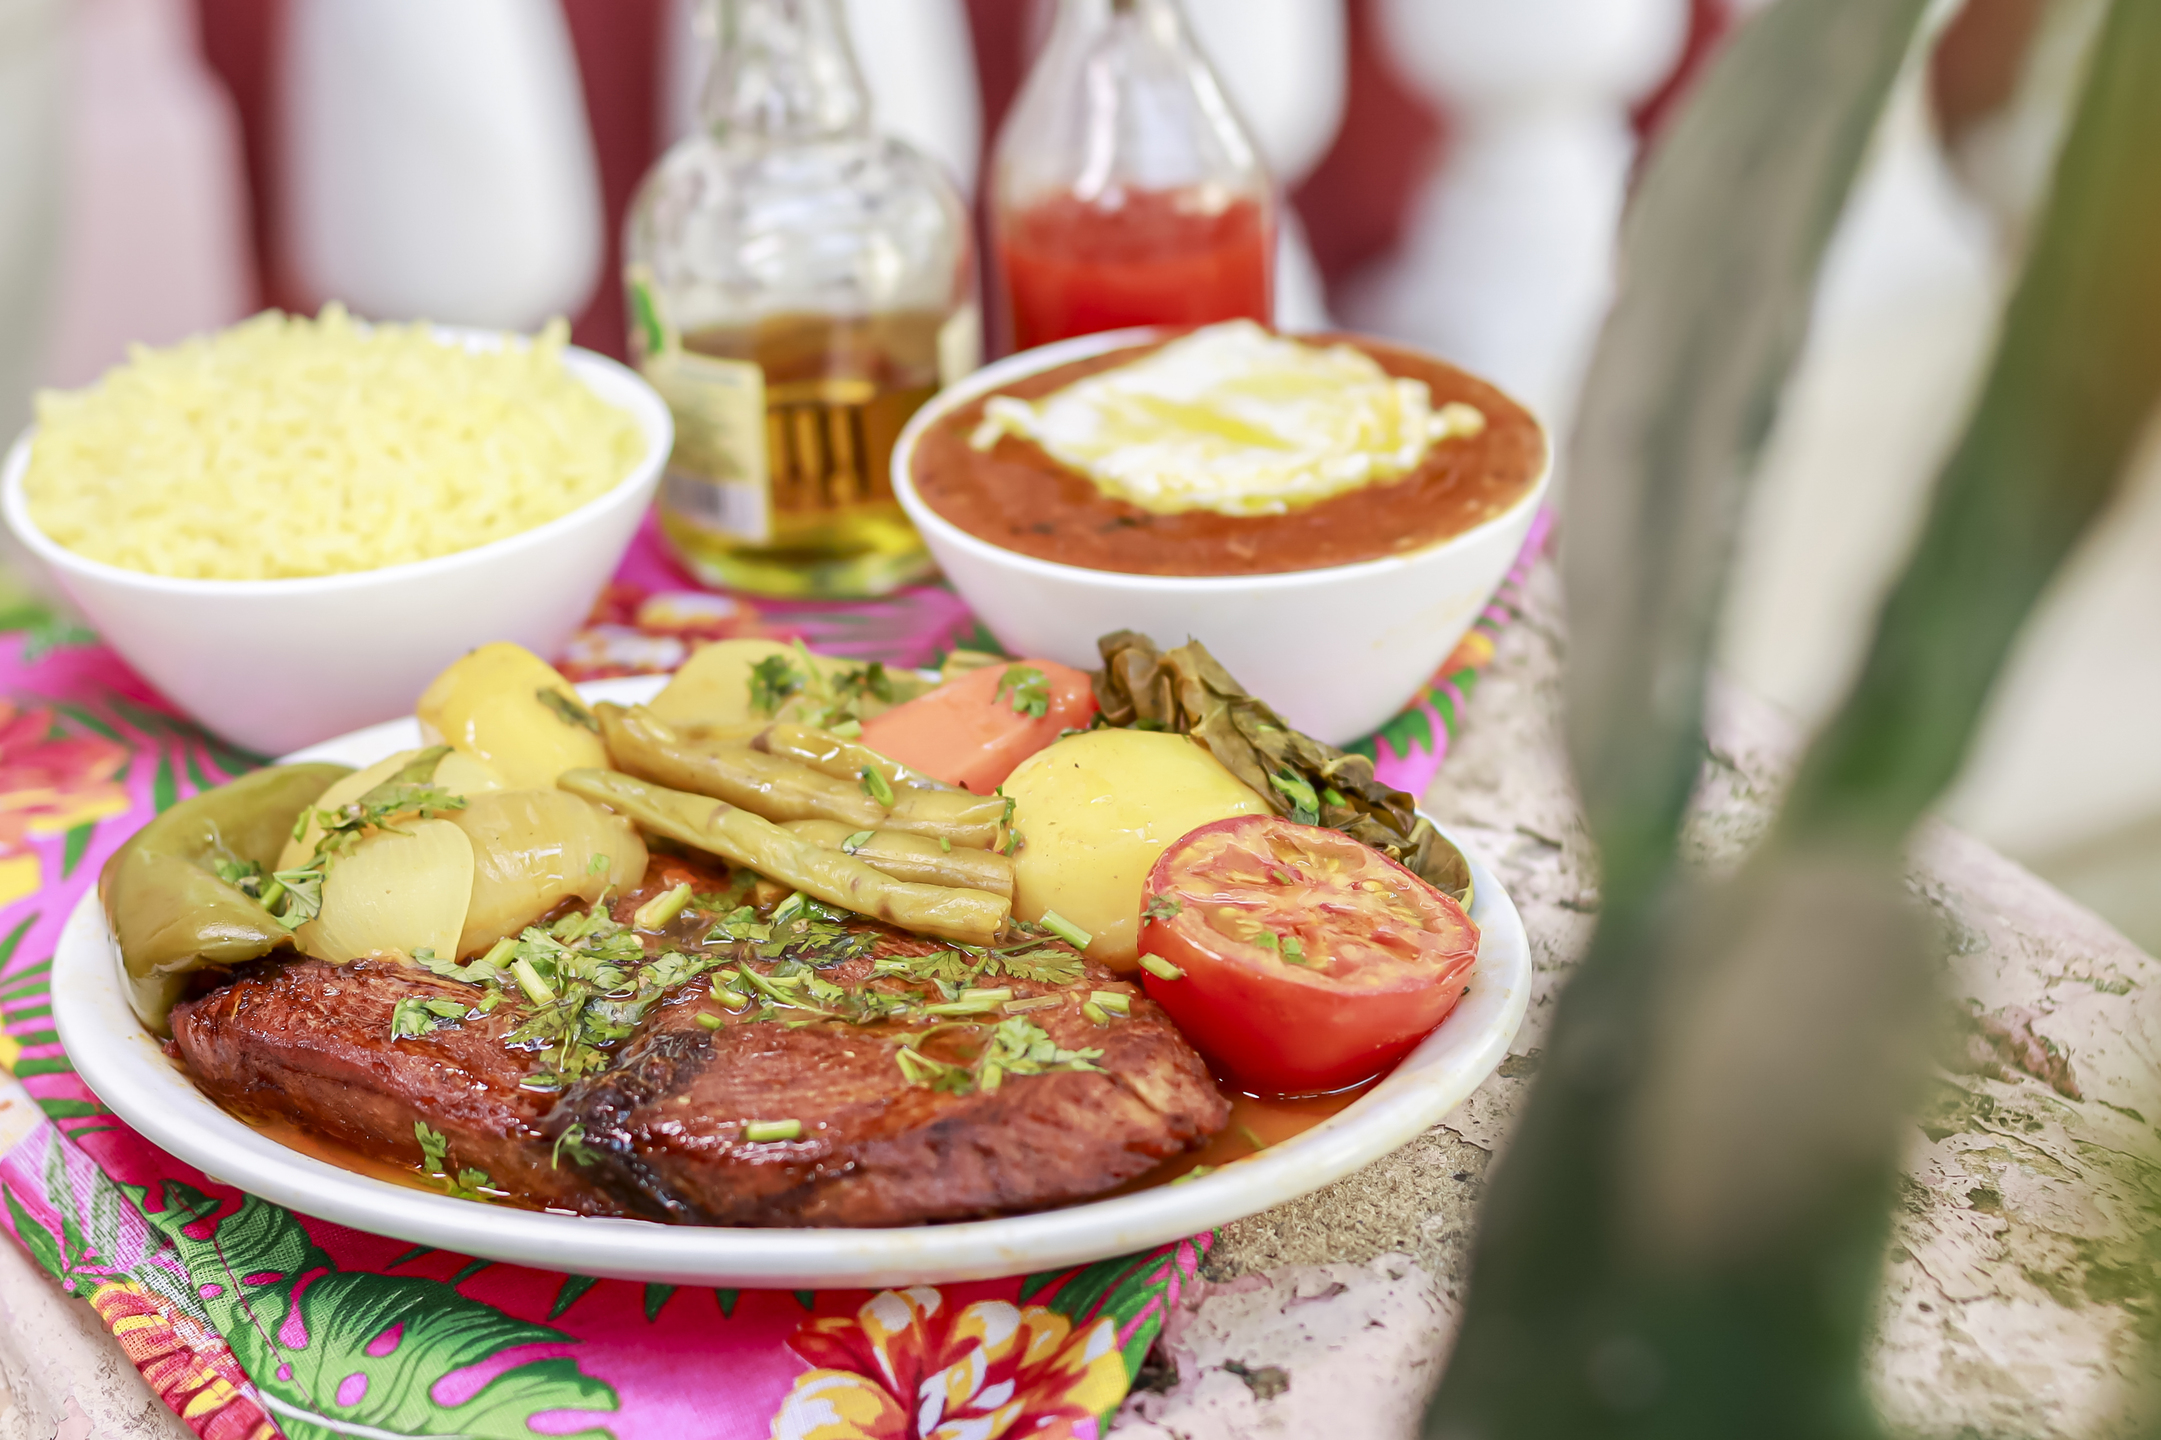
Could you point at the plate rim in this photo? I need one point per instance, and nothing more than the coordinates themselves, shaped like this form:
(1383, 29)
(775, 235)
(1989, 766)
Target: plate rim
(126, 1067)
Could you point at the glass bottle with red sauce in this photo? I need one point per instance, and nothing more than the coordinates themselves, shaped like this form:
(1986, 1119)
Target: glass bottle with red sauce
(1124, 189)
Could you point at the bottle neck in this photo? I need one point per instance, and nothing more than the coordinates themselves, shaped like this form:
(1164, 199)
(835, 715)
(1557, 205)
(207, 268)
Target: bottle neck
(782, 70)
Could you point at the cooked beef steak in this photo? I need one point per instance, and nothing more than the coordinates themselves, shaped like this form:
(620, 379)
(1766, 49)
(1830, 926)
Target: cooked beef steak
(665, 1127)
(310, 1043)
(660, 1132)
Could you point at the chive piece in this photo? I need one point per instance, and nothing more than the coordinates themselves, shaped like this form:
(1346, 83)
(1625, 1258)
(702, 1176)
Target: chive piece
(847, 729)
(662, 908)
(789, 908)
(1039, 1002)
(1094, 1013)
(1246, 1133)
(1334, 796)
(596, 865)
(992, 1076)
(876, 786)
(1115, 1001)
(1294, 950)
(537, 990)
(1066, 930)
(945, 843)
(730, 998)
(994, 996)
(1195, 1173)
(499, 954)
(272, 891)
(1160, 968)
(856, 841)
(758, 1132)
(709, 1020)
(960, 1007)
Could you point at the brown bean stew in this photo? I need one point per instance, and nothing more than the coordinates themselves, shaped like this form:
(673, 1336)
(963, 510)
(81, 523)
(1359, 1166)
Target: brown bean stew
(1017, 497)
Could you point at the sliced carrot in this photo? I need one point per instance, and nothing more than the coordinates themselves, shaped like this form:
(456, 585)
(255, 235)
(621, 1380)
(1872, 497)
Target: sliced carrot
(971, 731)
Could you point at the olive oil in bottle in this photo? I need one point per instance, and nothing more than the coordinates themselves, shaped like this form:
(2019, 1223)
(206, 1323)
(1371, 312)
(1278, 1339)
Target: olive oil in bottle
(798, 286)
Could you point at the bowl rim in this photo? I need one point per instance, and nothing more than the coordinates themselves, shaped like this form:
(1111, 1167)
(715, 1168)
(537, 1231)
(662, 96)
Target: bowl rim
(1024, 363)
(639, 399)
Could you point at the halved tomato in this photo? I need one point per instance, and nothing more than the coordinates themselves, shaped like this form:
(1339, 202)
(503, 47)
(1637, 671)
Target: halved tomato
(1296, 959)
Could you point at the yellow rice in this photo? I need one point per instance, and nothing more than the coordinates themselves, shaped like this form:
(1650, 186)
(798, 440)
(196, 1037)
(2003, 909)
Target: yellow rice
(287, 446)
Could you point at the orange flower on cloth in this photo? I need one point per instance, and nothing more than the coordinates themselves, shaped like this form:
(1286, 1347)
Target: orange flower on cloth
(909, 1366)
(48, 784)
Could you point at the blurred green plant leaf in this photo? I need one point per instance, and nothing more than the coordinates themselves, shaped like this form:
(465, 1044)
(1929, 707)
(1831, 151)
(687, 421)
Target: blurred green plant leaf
(1685, 1239)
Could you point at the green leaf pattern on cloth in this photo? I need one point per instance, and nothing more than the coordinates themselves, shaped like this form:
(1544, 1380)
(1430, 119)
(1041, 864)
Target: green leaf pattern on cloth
(334, 1350)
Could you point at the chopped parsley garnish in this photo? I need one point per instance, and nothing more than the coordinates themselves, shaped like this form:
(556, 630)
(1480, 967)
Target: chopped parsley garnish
(832, 696)
(1029, 689)
(466, 1184)
(413, 1017)
(573, 1140)
(567, 709)
(856, 841)
(1042, 961)
(1163, 907)
(1298, 790)
(773, 682)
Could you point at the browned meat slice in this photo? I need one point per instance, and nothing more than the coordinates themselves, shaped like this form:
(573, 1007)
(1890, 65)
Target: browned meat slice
(310, 1043)
(665, 1129)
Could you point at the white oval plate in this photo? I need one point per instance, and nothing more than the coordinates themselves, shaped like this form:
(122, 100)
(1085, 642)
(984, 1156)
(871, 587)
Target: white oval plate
(129, 1071)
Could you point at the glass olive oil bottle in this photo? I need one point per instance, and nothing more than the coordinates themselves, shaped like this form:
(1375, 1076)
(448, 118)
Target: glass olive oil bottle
(798, 286)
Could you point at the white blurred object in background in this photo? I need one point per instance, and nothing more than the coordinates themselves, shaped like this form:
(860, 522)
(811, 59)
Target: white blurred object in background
(917, 57)
(437, 162)
(154, 209)
(1286, 65)
(1507, 264)
(31, 57)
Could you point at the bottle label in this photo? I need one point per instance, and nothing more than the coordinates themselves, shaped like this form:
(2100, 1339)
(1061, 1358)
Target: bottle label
(717, 477)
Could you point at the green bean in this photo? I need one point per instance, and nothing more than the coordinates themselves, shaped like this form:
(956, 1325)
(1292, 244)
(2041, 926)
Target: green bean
(840, 758)
(773, 786)
(916, 858)
(742, 838)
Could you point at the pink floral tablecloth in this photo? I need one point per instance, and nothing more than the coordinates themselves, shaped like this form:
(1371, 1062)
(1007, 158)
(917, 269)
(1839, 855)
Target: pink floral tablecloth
(250, 1320)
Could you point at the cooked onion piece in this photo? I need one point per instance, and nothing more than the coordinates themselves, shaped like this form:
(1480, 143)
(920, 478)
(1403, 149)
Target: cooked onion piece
(458, 773)
(532, 849)
(394, 894)
(505, 705)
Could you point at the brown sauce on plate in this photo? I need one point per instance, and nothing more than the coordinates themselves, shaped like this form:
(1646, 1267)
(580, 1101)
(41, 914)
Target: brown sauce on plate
(1018, 498)
(1269, 1121)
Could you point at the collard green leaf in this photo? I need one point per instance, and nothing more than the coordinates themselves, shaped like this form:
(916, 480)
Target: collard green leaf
(334, 1351)
(1187, 691)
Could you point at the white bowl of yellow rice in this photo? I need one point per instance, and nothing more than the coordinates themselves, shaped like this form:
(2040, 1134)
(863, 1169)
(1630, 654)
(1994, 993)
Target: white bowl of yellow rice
(289, 527)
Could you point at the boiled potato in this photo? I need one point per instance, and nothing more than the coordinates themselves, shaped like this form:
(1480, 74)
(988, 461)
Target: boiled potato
(458, 773)
(713, 687)
(505, 705)
(534, 848)
(394, 893)
(1093, 811)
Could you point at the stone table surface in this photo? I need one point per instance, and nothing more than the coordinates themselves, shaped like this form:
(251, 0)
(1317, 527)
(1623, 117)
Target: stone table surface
(2004, 1309)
